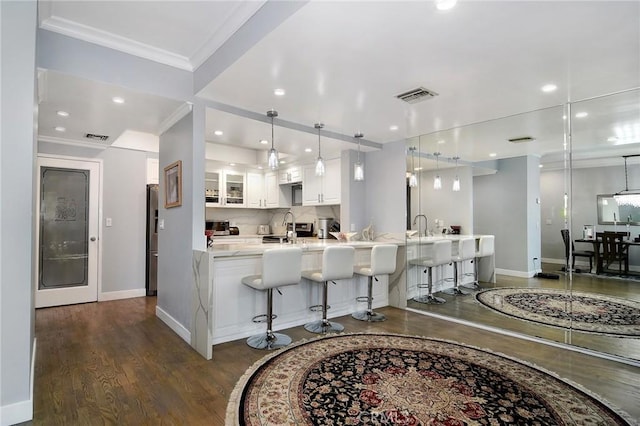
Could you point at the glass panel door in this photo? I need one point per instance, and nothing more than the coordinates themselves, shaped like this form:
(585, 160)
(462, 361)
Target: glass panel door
(64, 231)
(67, 245)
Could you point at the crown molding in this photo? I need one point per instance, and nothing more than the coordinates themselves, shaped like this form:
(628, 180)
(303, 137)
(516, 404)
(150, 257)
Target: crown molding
(175, 116)
(113, 41)
(72, 142)
(236, 19)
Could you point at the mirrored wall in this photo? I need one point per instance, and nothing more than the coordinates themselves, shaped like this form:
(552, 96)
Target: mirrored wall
(533, 181)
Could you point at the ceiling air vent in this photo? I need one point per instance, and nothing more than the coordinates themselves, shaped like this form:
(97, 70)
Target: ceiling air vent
(521, 139)
(100, 138)
(416, 95)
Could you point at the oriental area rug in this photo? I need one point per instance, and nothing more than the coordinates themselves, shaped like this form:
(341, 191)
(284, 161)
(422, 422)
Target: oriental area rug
(589, 312)
(375, 379)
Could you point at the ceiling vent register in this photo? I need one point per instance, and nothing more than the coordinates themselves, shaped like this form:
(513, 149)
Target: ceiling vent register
(417, 95)
(94, 137)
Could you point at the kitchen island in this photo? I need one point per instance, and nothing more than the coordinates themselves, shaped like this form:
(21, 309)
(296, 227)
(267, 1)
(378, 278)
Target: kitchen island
(223, 308)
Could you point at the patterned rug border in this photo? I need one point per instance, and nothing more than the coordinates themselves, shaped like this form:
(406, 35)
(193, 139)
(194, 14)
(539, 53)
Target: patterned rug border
(232, 412)
(507, 315)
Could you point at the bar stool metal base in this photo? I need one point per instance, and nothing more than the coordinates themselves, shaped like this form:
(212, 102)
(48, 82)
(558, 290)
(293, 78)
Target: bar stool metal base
(269, 341)
(323, 326)
(368, 316)
(429, 299)
(472, 286)
(455, 291)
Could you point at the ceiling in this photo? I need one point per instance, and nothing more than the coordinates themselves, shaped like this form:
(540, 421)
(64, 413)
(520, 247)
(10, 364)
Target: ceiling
(343, 63)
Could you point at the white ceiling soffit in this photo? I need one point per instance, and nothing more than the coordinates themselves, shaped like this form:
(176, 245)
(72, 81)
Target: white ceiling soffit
(182, 34)
(91, 109)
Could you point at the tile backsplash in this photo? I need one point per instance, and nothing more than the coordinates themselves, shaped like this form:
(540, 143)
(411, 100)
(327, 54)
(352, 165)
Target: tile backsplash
(247, 220)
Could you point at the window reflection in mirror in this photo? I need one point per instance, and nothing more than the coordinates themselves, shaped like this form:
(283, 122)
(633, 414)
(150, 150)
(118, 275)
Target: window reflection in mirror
(610, 212)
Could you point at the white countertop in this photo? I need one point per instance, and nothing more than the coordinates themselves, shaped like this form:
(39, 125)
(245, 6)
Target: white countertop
(309, 244)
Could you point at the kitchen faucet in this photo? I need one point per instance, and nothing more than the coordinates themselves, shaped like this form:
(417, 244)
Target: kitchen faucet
(415, 220)
(293, 226)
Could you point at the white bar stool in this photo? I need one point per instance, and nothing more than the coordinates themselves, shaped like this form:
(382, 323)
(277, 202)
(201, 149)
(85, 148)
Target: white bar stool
(383, 261)
(337, 264)
(486, 247)
(466, 251)
(441, 255)
(280, 267)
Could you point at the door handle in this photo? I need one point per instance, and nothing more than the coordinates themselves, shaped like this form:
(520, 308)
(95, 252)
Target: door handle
(93, 238)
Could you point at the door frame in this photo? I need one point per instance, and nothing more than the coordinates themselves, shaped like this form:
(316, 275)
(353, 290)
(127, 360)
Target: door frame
(36, 218)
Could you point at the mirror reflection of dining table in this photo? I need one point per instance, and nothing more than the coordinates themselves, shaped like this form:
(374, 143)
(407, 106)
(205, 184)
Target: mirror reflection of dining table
(626, 243)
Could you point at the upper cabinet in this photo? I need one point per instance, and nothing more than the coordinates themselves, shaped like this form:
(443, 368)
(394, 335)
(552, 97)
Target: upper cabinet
(321, 190)
(292, 174)
(234, 189)
(225, 189)
(255, 191)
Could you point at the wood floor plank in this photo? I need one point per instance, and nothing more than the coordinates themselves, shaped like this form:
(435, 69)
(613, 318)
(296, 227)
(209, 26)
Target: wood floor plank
(117, 363)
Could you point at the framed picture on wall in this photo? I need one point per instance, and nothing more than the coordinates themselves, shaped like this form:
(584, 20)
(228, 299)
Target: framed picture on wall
(173, 185)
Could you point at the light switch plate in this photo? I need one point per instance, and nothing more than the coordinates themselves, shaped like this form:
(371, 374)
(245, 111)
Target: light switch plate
(108, 222)
(161, 224)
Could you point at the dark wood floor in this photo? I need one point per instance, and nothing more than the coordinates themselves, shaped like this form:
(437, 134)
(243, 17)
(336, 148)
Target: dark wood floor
(469, 309)
(117, 363)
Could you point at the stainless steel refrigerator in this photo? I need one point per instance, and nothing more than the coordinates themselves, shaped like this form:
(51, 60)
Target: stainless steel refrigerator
(151, 275)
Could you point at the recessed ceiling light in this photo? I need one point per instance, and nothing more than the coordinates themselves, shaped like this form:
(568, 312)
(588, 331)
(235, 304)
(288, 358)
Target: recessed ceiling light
(441, 141)
(260, 167)
(307, 150)
(218, 133)
(264, 141)
(60, 129)
(548, 88)
(445, 4)
(582, 114)
(493, 154)
(417, 169)
(232, 164)
(612, 139)
(393, 128)
(540, 165)
(117, 100)
(282, 162)
(279, 92)
(63, 113)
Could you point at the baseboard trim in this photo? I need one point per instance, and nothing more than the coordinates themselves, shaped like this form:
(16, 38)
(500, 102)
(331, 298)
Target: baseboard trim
(21, 411)
(512, 273)
(173, 324)
(122, 294)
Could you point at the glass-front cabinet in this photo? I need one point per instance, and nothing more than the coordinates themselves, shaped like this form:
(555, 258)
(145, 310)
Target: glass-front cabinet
(225, 189)
(234, 189)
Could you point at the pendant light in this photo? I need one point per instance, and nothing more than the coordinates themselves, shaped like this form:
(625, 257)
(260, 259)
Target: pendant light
(358, 168)
(273, 154)
(319, 161)
(627, 197)
(413, 180)
(456, 181)
(437, 181)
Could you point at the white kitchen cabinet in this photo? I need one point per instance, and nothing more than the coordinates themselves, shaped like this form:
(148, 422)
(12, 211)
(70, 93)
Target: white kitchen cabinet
(292, 174)
(256, 191)
(275, 195)
(225, 188)
(321, 190)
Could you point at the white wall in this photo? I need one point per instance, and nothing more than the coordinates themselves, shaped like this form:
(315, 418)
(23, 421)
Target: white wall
(504, 206)
(18, 22)
(385, 187)
(175, 243)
